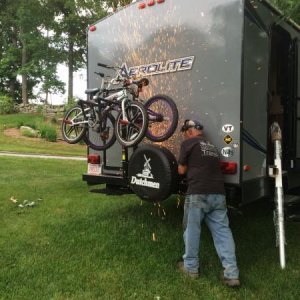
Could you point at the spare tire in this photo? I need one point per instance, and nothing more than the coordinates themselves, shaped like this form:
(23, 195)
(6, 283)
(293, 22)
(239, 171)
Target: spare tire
(152, 173)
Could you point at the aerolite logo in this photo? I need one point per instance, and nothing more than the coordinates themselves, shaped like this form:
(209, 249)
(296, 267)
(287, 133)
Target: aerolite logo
(161, 67)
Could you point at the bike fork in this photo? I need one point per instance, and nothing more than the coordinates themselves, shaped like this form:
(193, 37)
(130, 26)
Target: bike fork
(124, 121)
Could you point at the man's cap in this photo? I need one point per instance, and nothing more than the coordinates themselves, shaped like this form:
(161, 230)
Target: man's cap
(191, 124)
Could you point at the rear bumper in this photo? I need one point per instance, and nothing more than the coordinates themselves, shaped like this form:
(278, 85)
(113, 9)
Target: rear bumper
(105, 179)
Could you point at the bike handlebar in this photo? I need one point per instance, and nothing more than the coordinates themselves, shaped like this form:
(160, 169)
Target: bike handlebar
(102, 65)
(100, 74)
(124, 78)
(107, 66)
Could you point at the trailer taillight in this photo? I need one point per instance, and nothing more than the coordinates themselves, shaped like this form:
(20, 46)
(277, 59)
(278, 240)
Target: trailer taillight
(228, 167)
(151, 3)
(94, 165)
(142, 5)
(94, 159)
(93, 28)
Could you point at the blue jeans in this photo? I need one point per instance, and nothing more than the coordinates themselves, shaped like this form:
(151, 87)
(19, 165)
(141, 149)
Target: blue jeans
(212, 209)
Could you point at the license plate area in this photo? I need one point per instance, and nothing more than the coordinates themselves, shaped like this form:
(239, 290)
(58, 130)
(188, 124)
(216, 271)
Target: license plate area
(94, 169)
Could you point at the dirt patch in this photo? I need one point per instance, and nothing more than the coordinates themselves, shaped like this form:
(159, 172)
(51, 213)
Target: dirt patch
(15, 133)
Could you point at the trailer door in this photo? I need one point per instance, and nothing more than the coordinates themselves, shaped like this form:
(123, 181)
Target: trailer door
(295, 80)
(291, 114)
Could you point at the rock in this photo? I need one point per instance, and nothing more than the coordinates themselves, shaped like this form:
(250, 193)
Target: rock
(28, 131)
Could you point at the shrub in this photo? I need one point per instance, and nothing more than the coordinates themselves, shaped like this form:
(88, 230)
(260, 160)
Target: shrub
(71, 103)
(19, 124)
(39, 109)
(7, 105)
(32, 124)
(54, 120)
(48, 132)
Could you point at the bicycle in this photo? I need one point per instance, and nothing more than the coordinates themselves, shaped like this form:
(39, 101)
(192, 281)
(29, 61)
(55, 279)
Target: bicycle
(130, 125)
(163, 117)
(128, 128)
(161, 109)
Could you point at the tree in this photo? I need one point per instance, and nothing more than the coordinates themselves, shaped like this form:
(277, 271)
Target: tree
(24, 47)
(290, 8)
(71, 19)
(114, 4)
(9, 51)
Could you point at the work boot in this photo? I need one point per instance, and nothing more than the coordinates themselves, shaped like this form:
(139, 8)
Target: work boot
(231, 282)
(182, 269)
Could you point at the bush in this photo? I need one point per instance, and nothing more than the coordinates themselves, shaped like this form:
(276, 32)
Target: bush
(71, 103)
(54, 120)
(7, 105)
(32, 124)
(39, 109)
(48, 132)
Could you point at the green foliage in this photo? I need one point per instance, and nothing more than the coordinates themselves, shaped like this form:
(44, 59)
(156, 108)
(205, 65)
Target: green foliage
(43, 129)
(36, 36)
(8, 143)
(30, 123)
(71, 103)
(40, 109)
(6, 105)
(48, 132)
(75, 244)
(114, 4)
(290, 8)
(54, 120)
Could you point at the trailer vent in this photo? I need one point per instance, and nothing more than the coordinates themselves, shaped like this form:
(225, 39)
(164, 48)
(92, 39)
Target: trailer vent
(228, 167)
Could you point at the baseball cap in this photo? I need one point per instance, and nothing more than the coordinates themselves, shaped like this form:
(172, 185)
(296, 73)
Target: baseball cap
(191, 124)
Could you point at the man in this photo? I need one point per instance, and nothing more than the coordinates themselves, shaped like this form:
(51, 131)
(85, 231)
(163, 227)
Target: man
(205, 200)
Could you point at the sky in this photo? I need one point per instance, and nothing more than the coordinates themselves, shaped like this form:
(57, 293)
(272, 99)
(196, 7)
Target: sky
(79, 86)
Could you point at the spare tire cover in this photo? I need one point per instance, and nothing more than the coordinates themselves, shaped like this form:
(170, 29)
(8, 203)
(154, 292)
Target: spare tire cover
(152, 173)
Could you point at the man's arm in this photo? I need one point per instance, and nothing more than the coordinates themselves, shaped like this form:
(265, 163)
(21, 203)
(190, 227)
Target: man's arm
(182, 169)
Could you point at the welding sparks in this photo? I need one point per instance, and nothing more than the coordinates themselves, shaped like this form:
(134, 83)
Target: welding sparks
(179, 200)
(154, 237)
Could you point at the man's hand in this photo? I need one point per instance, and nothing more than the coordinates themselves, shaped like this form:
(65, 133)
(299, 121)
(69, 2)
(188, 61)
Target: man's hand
(182, 169)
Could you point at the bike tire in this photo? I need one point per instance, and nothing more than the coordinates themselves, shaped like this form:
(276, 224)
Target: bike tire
(161, 126)
(72, 134)
(131, 132)
(104, 137)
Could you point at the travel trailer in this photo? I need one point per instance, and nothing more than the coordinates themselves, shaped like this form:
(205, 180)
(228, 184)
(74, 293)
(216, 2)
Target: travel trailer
(232, 64)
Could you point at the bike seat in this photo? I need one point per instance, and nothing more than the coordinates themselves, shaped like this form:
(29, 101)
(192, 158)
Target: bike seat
(142, 82)
(92, 91)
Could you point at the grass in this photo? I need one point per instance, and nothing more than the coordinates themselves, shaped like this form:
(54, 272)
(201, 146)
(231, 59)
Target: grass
(80, 245)
(34, 145)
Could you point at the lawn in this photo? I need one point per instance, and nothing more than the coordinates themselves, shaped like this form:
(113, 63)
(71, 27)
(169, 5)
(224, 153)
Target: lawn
(75, 244)
(34, 145)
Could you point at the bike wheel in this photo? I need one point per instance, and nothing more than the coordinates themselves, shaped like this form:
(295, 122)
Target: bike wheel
(101, 136)
(72, 128)
(163, 118)
(131, 131)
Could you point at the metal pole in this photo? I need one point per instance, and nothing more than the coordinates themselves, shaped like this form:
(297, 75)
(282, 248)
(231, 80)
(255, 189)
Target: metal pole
(277, 138)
